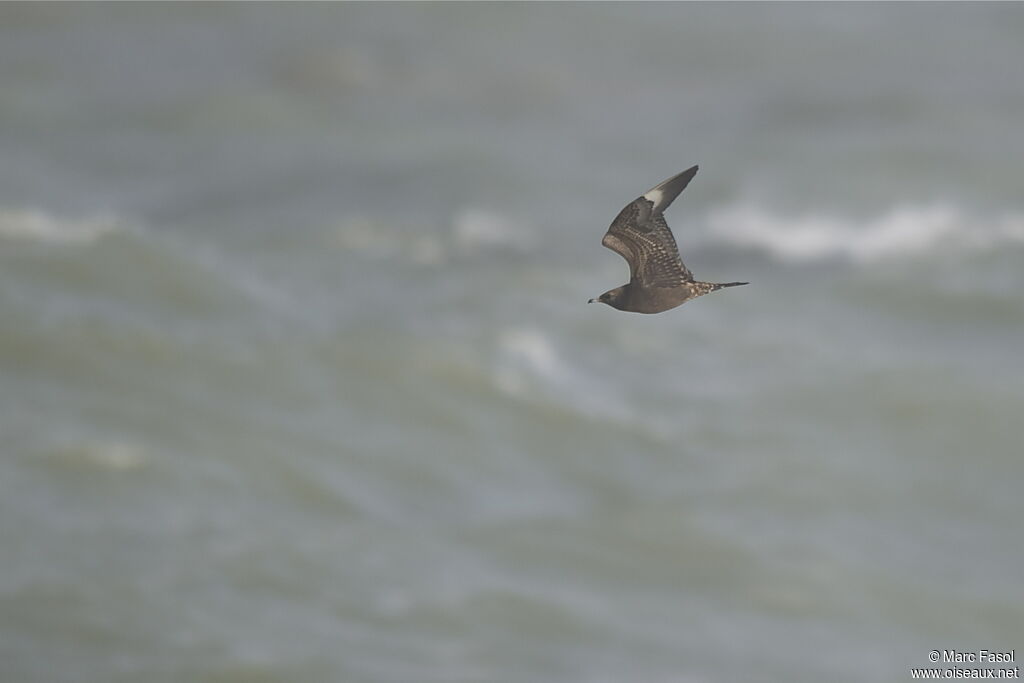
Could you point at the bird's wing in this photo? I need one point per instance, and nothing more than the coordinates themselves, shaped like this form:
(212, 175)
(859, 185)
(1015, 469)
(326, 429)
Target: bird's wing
(642, 237)
(665, 192)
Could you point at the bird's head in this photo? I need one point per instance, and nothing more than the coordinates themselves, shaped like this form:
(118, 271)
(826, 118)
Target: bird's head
(616, 298)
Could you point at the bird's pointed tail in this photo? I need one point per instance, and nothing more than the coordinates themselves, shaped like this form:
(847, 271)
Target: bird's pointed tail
(720, 285)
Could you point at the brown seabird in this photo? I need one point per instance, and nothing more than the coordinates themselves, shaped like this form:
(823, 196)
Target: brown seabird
(658, 280)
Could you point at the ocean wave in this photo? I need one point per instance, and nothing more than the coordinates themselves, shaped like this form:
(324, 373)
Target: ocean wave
(471, 232)
(526, 353)
(480, 229)
(530, 367)
(902, 231)
(380, 240)
(39, 226)
(117, 456)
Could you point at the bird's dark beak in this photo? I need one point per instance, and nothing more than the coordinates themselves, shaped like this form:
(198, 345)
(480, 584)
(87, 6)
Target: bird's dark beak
(591, 301)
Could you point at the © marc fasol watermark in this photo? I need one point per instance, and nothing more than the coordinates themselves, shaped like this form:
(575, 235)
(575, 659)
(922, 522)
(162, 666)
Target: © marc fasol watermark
(979, 664)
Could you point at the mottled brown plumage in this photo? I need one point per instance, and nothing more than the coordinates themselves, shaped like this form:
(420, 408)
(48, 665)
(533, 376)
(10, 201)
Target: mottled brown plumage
(658, 280)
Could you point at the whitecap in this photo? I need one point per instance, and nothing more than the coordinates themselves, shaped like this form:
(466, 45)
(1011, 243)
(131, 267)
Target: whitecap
(362, 234)
(526, 353)
(901, 231)
(39, 226)
(427, 251)
(479, 229)
(118, 456)
(530, 367)
(377, 240)
(471, 231)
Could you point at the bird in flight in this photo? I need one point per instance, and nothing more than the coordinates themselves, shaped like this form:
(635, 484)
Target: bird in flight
(658, 280)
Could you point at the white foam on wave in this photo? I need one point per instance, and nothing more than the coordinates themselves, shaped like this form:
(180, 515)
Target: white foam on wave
(526, 353)
(117, 456)
(377, 239)
(471, 232)
(39, 226)
(362, 234)
(477, 228)
(529, 365)
(901, 231)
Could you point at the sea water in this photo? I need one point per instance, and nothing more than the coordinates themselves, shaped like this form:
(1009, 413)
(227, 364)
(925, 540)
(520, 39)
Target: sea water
(298, 381)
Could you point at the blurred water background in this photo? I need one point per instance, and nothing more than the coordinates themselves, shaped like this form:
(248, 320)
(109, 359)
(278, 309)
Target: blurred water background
(298, 381)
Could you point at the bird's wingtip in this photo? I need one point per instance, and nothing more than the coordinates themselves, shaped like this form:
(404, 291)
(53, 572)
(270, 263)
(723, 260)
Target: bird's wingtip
(665, 192)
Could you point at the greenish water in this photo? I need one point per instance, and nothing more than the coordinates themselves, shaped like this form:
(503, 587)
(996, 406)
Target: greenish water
(298, 381)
